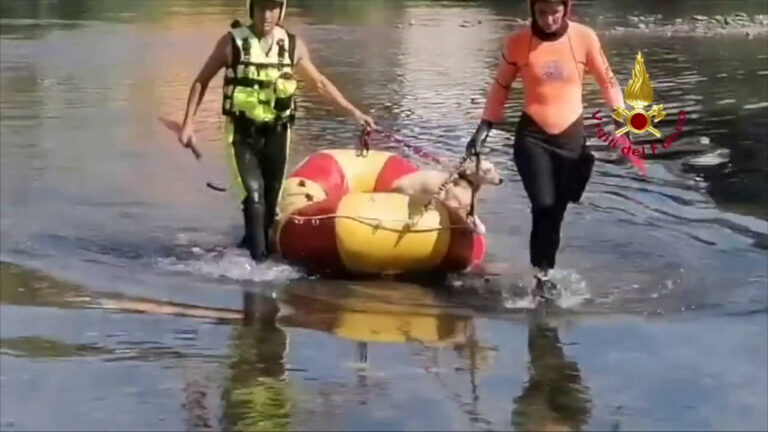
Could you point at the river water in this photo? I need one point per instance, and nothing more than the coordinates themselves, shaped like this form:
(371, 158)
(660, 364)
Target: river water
(125, 306)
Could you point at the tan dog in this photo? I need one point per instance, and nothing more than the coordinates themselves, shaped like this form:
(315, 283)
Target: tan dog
(421, 186)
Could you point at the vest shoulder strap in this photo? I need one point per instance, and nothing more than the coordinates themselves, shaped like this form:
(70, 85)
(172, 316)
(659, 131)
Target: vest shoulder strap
(240, 33)
(291, 47)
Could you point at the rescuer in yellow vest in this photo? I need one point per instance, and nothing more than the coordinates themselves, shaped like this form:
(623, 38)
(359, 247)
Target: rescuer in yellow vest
(262, 61)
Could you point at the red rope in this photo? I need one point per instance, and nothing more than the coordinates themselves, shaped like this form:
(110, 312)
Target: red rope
(365, 144)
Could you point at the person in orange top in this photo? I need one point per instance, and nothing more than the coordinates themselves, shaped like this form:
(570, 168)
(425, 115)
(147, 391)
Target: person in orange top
(551, 57)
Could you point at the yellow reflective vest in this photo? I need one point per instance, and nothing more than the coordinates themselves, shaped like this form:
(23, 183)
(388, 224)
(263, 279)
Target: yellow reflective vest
(261, 85)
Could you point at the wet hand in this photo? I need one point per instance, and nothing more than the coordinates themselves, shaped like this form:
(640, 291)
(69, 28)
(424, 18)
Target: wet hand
(471, 148)
(365, 120)
(478, 138)
(187, 135)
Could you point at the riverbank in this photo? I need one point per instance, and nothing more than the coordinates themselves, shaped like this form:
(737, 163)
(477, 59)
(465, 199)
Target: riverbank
(737, 24)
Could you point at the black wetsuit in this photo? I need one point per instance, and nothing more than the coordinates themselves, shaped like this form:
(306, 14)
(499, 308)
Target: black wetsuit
(554, 170)
(261, 154)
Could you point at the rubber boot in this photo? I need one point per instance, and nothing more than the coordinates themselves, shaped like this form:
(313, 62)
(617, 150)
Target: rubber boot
(269, 234)
(248, 227)
(255, 242)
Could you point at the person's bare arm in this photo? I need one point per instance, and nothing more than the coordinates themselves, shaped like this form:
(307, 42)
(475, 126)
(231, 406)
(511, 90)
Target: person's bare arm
(600, 68)
(498, 91)
(218, 59)
(307, 71)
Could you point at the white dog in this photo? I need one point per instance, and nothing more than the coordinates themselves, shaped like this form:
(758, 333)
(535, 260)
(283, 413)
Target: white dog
(421, 186)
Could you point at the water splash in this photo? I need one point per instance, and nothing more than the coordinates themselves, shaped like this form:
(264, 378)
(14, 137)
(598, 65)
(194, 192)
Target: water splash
(573, 291)
(232, 263)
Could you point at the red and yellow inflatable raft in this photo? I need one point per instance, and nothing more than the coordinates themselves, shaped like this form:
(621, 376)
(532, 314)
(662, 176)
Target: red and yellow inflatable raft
(336, 215)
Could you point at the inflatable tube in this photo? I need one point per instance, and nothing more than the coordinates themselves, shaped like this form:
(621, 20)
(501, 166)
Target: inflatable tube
(336, 214)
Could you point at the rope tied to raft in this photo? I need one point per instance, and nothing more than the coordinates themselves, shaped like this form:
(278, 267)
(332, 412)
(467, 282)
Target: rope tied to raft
(376, 223)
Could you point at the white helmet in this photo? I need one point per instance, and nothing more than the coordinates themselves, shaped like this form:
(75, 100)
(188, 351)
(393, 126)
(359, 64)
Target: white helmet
(249, 7)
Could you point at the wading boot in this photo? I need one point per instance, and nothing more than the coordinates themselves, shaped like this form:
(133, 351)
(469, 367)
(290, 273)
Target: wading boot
(253, 215)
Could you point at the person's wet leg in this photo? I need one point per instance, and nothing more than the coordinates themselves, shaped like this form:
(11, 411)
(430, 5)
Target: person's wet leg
(564, 175)
(553, 220)
(253, 204)
(540, 222)
(546, 249)
(550, 242)
(274, 160)
(536, 169)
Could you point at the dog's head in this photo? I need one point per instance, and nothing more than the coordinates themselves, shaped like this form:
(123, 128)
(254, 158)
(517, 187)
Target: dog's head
(487, 175)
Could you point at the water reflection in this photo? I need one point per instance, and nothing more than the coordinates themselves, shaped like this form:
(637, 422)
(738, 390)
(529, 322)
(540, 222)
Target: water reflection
(23, 287)
(36, 347)
(364, 314)
(554, 397)
(375, 313)
(256, 395)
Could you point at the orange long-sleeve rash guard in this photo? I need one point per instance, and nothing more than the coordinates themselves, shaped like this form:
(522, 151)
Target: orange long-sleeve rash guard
(552, 74)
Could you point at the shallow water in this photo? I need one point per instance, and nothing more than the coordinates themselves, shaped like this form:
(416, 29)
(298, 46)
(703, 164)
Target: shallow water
(138, 298)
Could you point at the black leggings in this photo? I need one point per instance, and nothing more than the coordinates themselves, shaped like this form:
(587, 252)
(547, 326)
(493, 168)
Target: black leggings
(547, 165)
(261, 155)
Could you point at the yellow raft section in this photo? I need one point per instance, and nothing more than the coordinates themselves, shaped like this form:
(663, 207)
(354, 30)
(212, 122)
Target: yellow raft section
(374, 234)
